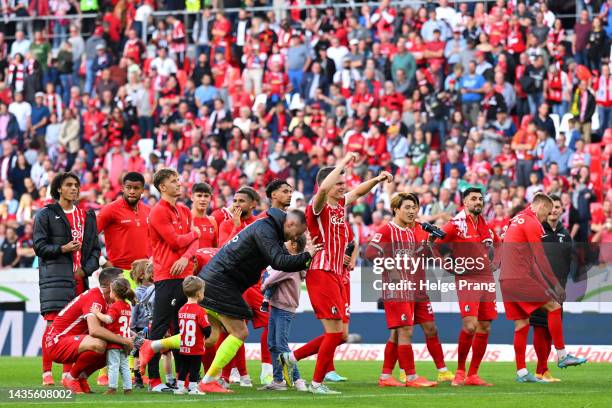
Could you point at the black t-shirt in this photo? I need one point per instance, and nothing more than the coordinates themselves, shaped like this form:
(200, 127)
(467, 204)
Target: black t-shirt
(9, 252)
(538, 75)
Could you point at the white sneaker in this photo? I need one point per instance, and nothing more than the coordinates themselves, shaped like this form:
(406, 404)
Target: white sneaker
(234, 377)
(245, 381)
(274, 386)
(195, 391)
(300, 385)
(181, 391)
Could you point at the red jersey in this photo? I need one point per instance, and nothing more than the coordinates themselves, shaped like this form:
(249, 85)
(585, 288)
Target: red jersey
(523, 255)
(356, 143)
(498, 225)
(470, 239)
(330, 228)
(171, 238)
(221, 214)
(392, 241)
(76, 219)
(209, 237)
(227, 229)
(121, 313)
(72, 319)
(192, 321)
(126, 232)
(203, 256)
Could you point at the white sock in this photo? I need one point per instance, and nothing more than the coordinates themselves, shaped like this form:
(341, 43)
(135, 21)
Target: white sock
(522, 372)
(180, 384)
(208, 379)
(47, 373)
(411, 377)
(64, 375)
(169, 377)
(192, 386)
(561, 354)
(442, 370)
(315, 384)
(245, 377)
(266, 369)
(385, 376)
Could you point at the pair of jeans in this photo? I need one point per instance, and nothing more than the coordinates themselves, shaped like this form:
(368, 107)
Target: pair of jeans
(117, 362)
(535, 100)
(145, 126)
(560, 109)
(295, 77)
(523, 170)
(605, 118)
(278, 340)
(90, 76)
(66, 80)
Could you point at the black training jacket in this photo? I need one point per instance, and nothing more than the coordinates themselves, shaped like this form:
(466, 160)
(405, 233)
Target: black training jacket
(261, 244)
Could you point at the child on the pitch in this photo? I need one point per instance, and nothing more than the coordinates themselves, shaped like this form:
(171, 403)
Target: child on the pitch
(118, 321)
(142, 275)
(283, 302)
(194, 328)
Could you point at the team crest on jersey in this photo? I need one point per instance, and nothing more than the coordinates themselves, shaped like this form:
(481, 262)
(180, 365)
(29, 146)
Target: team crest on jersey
(77, 338)
(467, 308)
(96, 306)
(403, 317)
(334, 310)
(377, 237)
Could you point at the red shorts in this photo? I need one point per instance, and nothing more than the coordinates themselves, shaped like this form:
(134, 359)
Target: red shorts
(254, 298)
(398, 314)
(422, 312)
(482, 310)
(66, 350)
(327, 295)
(521, 310)
(347, 294)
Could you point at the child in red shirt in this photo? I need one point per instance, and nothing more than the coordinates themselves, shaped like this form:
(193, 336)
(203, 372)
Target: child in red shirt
(194, 328)
(118, 320)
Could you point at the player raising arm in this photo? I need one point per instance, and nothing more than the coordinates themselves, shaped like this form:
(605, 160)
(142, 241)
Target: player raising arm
(326, 217)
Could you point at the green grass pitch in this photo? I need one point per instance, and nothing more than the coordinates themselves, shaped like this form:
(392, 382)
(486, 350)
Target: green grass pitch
(586, 386)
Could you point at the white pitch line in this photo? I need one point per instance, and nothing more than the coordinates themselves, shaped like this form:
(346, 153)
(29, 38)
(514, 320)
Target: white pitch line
(299, 396)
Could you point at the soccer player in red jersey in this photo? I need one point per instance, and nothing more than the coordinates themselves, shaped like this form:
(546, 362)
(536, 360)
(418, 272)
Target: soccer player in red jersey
(245, 201)
(470, 238)
(174, 241)
(194, 328)
(125, 224)
(76, 335)
(201, 194)
(528, 283)
(405, 237)
(326, 217)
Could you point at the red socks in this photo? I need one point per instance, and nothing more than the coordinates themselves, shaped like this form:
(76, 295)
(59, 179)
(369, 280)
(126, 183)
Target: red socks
(326, 354)
(66, 368)
(479, 347)
(85, 362)
(241, 361)
(541, 344)
(465, 342)
(208, 357)
(405, 356)
(555, 327)
(435, 349)
(265, 352)
(520, 346)
(309, 349)
(47, 363)
(390, 357)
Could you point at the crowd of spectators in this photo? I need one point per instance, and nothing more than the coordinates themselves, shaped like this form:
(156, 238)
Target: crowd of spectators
(504, 96)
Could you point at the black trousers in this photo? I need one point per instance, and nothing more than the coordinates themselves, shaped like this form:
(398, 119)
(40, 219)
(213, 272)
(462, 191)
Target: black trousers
(169, 298)
(190, 367)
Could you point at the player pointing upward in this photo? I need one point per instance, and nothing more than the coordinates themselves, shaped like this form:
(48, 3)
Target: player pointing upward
(326, 216)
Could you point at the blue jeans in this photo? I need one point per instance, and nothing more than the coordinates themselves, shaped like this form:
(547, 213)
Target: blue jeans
(90, 76)
(66, 80)
(295, 77)
(59, 33)
(605, 118)
(560, 109)
(535, 100)
(117, 362)
(145, 126)
(278, 340)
